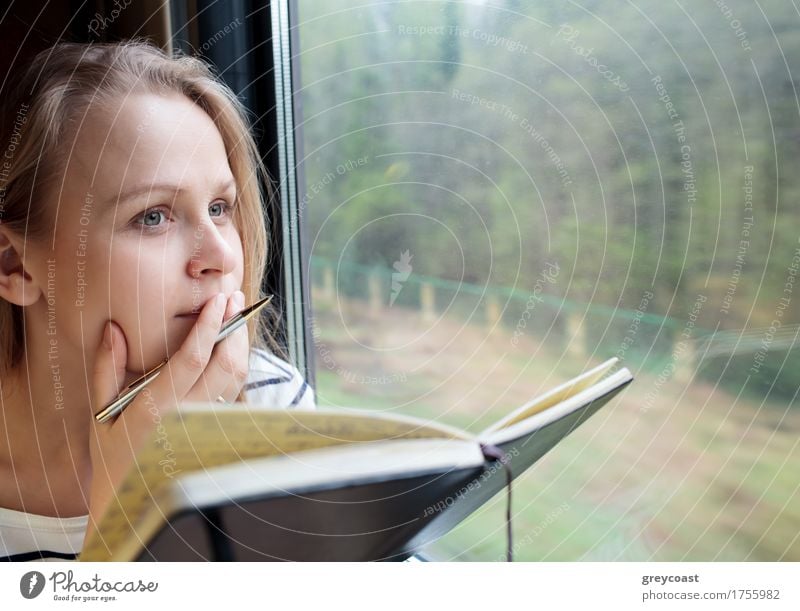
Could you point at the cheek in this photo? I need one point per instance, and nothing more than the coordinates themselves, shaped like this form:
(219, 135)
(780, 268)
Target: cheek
(139, 297)
(77, 274)
(139, 279)
(240, 267)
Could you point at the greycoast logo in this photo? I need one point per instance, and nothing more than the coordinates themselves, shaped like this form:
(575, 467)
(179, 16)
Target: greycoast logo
(66, 588)
(31, 584)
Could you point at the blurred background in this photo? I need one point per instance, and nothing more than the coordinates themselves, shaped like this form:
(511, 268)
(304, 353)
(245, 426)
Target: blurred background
(499, 195)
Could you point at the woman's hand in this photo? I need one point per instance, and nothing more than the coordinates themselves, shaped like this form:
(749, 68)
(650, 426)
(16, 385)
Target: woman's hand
(193, 373)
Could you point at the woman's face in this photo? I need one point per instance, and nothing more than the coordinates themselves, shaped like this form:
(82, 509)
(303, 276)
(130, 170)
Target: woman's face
(144, 227)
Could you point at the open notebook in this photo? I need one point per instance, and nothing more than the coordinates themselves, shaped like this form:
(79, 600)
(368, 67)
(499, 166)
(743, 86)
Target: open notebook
(263, 484)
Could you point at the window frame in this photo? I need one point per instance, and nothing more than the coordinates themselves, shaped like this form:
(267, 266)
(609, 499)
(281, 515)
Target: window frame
(264, 72)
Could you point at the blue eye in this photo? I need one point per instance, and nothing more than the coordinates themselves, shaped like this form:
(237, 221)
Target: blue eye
(221, 209)
(151, 218)
(156, 219)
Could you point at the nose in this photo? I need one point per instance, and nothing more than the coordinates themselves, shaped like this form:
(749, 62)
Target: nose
(210, 253)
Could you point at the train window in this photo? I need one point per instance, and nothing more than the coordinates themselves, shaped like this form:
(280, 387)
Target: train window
(497, 196)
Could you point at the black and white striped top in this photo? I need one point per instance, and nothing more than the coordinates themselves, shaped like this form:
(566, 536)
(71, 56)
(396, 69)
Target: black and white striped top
(272, 383)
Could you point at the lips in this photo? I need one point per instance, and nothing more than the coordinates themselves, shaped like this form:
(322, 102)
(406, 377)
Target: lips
(194, 311)
(196, 308)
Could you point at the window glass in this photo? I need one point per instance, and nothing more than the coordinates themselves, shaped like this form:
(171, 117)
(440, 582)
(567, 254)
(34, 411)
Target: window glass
(499, 196)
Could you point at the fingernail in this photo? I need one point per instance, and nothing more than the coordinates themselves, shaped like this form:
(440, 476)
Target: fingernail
(107, 339)
(238, 299)
(219, 301)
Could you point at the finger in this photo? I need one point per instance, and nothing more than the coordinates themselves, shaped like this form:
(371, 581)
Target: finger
(108, 462)
(109, 366)
(235, 304)
(186, 366)
(227, 370)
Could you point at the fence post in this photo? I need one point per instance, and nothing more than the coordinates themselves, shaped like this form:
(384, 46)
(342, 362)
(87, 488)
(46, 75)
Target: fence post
(576, 335)
(684, 367)
(427, 300)
(375, 294)
(492, 311)
(327, 292)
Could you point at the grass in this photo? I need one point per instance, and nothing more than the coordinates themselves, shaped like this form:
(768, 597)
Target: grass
(689, 478)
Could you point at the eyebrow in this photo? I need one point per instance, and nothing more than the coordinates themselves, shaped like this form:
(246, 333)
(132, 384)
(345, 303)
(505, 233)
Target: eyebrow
(142, 190)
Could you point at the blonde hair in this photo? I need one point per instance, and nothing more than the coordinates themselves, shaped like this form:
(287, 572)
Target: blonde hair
(42, 113)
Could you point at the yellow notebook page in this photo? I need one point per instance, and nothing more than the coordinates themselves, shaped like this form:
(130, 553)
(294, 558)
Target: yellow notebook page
(553, 397)
(204, 436)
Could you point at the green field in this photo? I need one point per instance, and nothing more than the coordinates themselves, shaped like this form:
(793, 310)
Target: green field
(698, 476)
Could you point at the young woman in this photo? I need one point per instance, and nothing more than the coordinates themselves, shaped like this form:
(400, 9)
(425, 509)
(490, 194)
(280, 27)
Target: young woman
(131, 226)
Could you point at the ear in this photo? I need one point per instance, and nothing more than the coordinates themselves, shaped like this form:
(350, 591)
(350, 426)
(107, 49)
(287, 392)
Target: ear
(16, 285)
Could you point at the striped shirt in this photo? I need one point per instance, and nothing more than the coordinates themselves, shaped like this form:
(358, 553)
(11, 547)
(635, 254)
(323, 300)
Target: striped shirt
(271, 383)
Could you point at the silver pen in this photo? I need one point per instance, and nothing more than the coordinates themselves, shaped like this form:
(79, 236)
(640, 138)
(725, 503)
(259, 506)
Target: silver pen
(129, 393)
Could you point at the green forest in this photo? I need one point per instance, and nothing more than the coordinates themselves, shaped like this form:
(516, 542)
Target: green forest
(645, 147)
